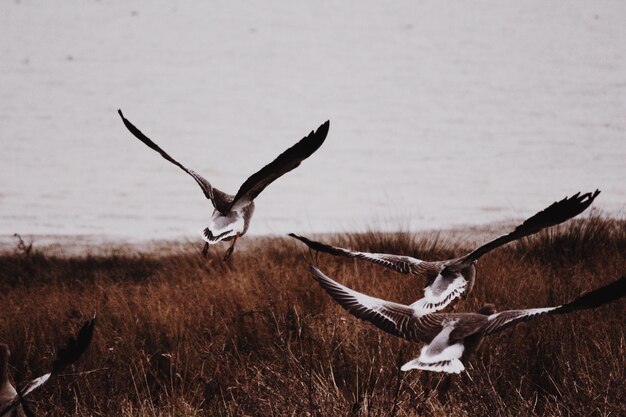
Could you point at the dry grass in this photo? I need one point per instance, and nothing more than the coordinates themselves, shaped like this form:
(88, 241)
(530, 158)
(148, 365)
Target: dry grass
(181, 336)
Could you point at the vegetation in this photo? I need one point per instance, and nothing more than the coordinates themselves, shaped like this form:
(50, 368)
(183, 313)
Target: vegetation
(178, 335)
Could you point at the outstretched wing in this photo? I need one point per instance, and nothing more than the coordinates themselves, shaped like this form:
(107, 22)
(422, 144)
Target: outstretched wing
(396, 319)
(593, 299)
(284, 163)
(220, 199)
(555, 214)
(402, 264)
(73, 350)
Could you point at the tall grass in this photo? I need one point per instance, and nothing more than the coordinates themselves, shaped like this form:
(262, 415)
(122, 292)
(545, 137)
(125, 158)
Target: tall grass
(179, 335)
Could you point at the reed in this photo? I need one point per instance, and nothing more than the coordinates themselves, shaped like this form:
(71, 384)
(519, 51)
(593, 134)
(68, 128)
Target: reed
(179, 335)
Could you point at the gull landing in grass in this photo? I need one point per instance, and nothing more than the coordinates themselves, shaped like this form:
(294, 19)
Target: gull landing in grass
(232, 214)
(13, 403)
(454, 278)
(450, 337)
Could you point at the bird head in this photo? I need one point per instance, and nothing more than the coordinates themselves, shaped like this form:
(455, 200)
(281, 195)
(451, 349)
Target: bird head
(487, 309)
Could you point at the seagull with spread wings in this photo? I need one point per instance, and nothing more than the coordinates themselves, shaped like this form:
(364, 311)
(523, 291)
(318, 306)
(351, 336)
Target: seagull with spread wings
(232, 214)
(13, 403)
(450, 337)
(451, 279)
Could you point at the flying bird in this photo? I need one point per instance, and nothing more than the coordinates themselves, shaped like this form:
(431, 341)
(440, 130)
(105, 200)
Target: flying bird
(451, 279)
(12, 402)
(450, 337)
(231, 215)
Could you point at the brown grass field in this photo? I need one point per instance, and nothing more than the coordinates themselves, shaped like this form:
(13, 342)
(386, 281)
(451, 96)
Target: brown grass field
(178, 335)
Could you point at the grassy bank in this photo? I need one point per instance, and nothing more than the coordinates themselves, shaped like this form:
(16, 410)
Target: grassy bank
(179, 335)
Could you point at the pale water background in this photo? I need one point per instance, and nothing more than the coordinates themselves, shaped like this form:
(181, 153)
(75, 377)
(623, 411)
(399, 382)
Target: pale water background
(442, 113)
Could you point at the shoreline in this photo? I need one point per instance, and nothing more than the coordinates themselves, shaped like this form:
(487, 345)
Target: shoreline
(108, 245)
(102, 245)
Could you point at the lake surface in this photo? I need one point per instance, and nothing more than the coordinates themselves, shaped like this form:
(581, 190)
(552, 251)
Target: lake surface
(442, 114)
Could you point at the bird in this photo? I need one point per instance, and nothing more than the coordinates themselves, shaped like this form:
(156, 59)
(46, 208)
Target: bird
(232, 213)
(450, 337)
(12, 402)
(449, 280)
(7, 391)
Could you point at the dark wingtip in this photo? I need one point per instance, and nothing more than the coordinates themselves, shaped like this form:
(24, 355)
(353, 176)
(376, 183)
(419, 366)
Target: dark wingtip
(586, 198)
(321, 247)
(559, 212)
(310, 243)
(301, 239)
(128, 124)
(322, 130)
(595, 194)
(598, 297)
(75, 347)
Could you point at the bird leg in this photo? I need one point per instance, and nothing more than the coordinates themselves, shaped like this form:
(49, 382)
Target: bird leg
(205, 250)
(229, 251)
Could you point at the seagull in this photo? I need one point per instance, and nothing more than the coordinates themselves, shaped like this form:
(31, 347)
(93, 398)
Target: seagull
(232, 214)
(13, 403)
(454, 278)
(450, 337)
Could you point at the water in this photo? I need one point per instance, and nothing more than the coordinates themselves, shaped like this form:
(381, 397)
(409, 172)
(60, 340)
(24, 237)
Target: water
(441, 113)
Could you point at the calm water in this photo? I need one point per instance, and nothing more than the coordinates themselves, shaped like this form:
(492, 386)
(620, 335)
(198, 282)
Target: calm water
(463, 112)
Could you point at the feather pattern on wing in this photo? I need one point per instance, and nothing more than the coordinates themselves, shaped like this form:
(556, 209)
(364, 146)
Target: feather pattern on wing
(397, 319)
(402, 264)
(390, 317)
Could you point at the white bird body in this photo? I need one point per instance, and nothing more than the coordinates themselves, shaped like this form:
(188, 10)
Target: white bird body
(224, 226)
